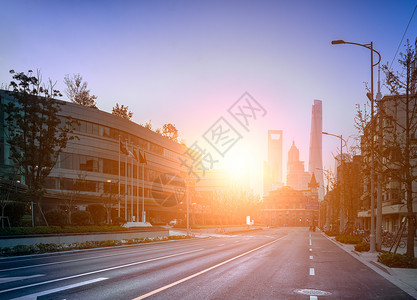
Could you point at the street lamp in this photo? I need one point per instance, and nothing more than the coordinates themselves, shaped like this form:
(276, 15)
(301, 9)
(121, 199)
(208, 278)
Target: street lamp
(371, 98)
(342, 211)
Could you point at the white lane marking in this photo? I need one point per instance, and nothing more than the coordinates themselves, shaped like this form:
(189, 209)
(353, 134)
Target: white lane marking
(98, 271)
(311, 256)
(9, 279)
(62, 288)
(310, 242)
(202, 272)
(312, 271)
(220, 245)
(78, 259)
(310, 250)
(313, 298)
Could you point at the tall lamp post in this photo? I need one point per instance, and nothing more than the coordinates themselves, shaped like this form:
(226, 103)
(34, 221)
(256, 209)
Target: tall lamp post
(342, 208)
(371, 98)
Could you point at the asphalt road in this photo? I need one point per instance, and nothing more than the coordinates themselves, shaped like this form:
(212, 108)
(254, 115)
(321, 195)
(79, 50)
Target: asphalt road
(287, 263)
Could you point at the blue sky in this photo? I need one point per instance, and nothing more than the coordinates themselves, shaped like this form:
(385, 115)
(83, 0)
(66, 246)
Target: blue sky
(186, 62)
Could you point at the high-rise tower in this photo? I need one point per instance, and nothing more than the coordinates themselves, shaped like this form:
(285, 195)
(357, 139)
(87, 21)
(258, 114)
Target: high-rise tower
(273, 167)
(315, 163)
(297, 178)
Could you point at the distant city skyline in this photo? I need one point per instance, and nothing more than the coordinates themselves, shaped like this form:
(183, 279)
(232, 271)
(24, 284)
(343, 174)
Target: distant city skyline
(187, 62)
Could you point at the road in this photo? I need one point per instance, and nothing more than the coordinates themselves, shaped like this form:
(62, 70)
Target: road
(286, 263)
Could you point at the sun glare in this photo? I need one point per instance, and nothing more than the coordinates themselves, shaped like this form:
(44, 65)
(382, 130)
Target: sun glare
(238, 164)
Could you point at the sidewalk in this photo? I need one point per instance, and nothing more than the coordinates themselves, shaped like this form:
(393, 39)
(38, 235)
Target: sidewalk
(405, 279)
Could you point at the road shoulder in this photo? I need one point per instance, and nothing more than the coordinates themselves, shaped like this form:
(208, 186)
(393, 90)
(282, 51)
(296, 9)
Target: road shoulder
(405, 279)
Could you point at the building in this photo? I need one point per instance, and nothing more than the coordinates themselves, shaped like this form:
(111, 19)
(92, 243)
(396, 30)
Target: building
(287, 207)
(390, 169)
(315, 163)
(297, 177)
(87, 171)
(273, 167)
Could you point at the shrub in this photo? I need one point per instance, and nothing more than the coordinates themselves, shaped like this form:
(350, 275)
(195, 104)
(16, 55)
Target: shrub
(49, 247)
(331, 233)
(56, 217)
(397, 260)
(118, 221)
(362, 247)
(23, 250)
(80, 217)
(349, 239)
(14, 211)
(98, 213)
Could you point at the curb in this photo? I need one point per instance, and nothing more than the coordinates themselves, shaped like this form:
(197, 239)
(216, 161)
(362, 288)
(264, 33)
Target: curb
(382, 270)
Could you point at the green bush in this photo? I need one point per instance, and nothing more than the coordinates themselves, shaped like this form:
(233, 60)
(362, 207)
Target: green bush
(49, 247)
(81, 217)
(118, 221)
(397, 260)
(331, 233)
(15, 211)
(23, 250)
(349, 239)
(98, 213)
(56, 217)
(57, 229)
(362, 247)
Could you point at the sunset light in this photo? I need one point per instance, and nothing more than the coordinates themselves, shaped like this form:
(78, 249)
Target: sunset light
(239, 149)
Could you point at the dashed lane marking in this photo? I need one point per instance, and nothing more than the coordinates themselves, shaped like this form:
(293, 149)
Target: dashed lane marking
(97, 271)
(311, 256)
(202, 272)
(16, 278)
(62, 288)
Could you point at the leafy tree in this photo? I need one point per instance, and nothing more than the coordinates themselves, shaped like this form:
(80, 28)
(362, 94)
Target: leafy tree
(399, 111)
(98, 213)
(78, 92)
(170, 131)
(122, 111)
(35, 132)
(81, 217)
(147, 125)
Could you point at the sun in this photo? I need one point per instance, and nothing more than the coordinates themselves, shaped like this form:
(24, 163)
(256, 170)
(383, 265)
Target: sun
(238, 164)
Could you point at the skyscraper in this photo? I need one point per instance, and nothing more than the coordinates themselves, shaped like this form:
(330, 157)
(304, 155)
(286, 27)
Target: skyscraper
(273, 167)
(315, 163)
(297, 178)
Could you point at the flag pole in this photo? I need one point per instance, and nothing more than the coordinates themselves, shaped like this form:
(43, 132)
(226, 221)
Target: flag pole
(126, 191)
(137, 186)
(119, 181)
(131, 189)
(143, 190)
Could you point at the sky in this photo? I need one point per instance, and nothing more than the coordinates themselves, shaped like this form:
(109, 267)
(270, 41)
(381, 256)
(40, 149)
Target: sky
(187, 62)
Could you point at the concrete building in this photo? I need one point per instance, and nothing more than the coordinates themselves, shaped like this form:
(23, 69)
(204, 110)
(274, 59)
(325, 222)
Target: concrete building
(315, 163)
(389, 162)
(87, 171)
(273, 167)
(297, 177)
(288, 207)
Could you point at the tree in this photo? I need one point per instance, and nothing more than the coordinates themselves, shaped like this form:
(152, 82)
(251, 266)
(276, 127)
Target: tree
(122, 111)
(35, 132)
(78, 92)
(400, 113)
(170, 131)
(147, 125)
